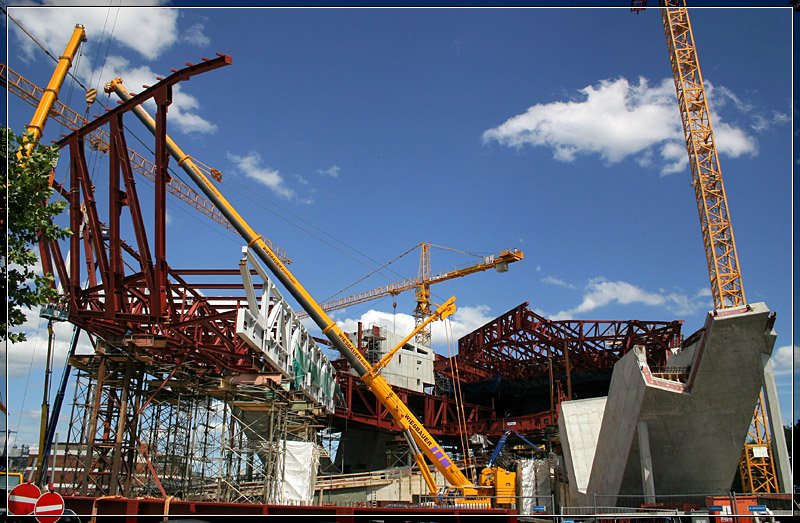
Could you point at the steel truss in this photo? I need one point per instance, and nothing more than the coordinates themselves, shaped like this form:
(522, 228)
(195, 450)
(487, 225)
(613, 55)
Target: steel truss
(521, 344)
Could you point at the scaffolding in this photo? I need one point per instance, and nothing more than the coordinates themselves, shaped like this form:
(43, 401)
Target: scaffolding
(138, 429)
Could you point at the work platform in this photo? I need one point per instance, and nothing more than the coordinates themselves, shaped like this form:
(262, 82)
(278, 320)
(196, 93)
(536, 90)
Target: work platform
(674, 430)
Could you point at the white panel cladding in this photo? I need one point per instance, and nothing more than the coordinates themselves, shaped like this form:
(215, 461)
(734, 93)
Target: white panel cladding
(270, 326)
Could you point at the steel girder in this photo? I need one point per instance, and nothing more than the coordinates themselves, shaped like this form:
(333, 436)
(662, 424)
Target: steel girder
(131, 296)
(521, 344)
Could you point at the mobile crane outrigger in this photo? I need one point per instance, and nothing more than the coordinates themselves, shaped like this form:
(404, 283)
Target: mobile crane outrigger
(461, 491)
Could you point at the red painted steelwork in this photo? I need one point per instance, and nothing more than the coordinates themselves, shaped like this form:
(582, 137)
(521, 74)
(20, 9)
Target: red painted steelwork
(520, 343)
(133, 297)
(159, 509)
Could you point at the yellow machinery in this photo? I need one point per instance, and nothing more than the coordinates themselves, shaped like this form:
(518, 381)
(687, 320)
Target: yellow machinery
(421, 442)
(36, 127)
(758, 472)
(503, 483)
(422, 284)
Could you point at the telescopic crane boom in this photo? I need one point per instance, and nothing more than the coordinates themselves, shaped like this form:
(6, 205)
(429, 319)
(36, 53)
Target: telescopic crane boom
(421, 441)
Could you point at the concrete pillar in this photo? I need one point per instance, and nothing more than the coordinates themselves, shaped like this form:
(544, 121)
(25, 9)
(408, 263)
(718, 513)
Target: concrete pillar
(780, 453)
(648, 485)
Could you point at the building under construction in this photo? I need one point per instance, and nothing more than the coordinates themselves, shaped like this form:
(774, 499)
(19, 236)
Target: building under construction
(206, 394)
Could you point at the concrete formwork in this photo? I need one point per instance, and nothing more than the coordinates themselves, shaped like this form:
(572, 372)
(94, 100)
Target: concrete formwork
(693, 425)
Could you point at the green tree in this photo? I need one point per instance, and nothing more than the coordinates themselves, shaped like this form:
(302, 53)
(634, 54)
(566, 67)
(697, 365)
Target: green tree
(30, 216)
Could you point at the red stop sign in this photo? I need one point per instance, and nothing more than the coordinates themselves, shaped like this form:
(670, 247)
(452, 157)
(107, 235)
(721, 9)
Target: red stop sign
(49, 507)
(22, 499)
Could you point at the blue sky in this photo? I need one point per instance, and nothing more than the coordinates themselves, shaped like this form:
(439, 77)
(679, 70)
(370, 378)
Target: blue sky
(347, 136)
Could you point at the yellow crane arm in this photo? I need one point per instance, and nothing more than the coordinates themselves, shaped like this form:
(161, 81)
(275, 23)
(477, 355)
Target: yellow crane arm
(31, 93)
(36, 127)
(498, 261)
(712, 204)
(402, 415)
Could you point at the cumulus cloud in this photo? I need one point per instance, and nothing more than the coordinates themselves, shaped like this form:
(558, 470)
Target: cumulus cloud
(552, 280)
(251, 165)
(782, 359)
(32, 353)
(332, 171)
(195, 35)
(184, 107)
(145, 30)
(600, 292)
(462, 322)
(618, 119)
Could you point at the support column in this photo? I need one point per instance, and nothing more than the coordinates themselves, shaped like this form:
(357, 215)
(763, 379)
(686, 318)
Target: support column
(648, 485)
(780, 453)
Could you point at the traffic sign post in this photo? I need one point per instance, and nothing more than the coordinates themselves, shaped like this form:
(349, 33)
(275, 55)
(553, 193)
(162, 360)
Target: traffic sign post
(49, 507)
(22, 499)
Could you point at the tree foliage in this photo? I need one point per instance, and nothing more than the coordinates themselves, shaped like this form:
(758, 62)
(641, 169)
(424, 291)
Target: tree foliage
(30, 216)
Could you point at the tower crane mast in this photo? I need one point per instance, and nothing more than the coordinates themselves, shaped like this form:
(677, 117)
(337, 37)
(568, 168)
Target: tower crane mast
(712, 204)
(758, 474)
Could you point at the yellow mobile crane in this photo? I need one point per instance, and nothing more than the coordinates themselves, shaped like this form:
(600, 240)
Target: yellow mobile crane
(36, 127)
(758, 472)
(421, 443)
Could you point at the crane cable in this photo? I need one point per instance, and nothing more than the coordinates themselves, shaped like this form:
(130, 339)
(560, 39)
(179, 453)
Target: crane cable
(461, 415)
(384, 266)
(246, 194)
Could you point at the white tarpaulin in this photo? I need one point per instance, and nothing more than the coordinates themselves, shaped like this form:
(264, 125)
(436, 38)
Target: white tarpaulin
(534, 476)
(299, 464)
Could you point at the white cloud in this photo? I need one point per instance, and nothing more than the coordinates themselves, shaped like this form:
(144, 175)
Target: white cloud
(195, 35)
(148, 31)
(616, 119)
(32, 353)
(250, 165)
(182, 112)
(465, 320)
(782, 362)
(600, 292)
(552, 280)
(332, 171)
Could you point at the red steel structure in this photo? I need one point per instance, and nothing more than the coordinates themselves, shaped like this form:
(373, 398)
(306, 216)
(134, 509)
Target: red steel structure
(517, 346)
(135, 298)
(521, 344)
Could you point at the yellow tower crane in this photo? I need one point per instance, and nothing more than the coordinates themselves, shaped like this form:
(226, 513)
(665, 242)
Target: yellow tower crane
(756, 467)
(422, 284)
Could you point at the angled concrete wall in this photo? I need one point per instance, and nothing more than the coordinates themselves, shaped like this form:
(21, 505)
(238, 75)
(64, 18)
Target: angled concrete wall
(578, 428)
(696, 430)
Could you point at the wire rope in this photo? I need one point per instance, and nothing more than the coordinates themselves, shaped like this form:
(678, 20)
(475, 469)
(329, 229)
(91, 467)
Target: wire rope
(28, 378)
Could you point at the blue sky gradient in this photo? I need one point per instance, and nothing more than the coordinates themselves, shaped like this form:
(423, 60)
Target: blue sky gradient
(347, 136)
